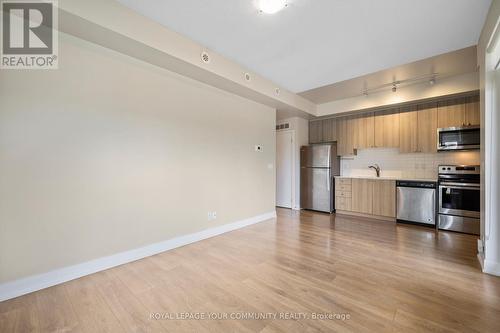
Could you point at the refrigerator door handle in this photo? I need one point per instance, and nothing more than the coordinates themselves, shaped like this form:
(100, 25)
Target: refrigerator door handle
(328, 181)
(329, 156)
(329, 168)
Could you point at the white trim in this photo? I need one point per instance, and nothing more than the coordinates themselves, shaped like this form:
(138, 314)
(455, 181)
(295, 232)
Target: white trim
(30, 284)
(491, 267)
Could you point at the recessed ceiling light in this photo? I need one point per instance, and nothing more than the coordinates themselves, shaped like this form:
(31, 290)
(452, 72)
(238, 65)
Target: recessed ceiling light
(271, 6)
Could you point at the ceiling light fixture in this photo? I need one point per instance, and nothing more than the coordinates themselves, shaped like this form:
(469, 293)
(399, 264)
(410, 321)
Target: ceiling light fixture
(271, 6)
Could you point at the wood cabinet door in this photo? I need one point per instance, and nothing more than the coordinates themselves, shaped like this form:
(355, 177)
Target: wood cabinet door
(387, 128)
(362, 196)
(427, 128)
(345, 136)
(364, 131)
(451, 113)
(351, 135)
(329, 130)
(370, 129)
(341, 139)
(384, 198)
(408, 129)
(472, 111)
(315, 131)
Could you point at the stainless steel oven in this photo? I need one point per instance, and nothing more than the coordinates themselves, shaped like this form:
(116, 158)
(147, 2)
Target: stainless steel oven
(458, 138)
(459, 195)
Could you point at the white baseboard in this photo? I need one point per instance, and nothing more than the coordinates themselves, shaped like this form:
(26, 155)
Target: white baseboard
(491, 267)
(30, 284)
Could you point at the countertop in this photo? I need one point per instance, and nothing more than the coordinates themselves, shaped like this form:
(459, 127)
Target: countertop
(387, 178)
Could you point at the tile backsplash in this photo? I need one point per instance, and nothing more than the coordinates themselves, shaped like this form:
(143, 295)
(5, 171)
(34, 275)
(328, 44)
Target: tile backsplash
(395, 164)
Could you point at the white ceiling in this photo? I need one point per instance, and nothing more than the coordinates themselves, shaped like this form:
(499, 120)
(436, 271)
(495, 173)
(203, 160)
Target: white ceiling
(314, 43)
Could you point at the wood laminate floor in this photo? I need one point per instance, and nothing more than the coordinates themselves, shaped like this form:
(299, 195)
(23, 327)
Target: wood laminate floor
(373, 276)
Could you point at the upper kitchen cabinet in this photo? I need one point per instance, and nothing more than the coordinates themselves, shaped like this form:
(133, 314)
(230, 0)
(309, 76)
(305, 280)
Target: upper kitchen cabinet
(412, 129)
(418, 127)
(387, 128)
(315, 131)
(346, 135)
(459, 112)
(408, 129)
(427, 128)
(472, 111)
(323, 131)
(329, 130)
(364, 131)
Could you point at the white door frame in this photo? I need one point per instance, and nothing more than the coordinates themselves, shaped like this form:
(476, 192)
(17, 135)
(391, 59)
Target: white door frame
(292, 132)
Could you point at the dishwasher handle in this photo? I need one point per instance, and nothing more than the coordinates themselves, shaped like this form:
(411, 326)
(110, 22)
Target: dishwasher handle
(416, 184)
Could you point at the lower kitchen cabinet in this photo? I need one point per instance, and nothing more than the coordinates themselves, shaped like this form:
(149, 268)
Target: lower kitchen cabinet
(370, 197)
(384, 198)
(343, 193)
(362, 196)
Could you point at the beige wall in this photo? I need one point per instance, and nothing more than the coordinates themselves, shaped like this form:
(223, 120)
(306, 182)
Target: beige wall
(108, 154)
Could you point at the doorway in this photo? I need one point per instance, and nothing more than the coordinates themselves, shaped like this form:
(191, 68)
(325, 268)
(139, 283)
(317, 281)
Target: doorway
(285, 173)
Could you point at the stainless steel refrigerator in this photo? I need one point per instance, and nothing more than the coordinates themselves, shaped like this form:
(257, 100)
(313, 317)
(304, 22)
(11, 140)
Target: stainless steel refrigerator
(318, 166)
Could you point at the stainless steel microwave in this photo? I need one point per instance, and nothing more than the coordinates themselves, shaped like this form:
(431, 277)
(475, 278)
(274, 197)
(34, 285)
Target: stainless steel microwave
(458, 138)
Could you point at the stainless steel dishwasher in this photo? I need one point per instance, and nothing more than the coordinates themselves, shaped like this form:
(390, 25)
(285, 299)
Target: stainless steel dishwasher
(416, 202)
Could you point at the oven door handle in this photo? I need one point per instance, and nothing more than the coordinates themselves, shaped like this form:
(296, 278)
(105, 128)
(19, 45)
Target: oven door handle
(459, 184)
(460, 187)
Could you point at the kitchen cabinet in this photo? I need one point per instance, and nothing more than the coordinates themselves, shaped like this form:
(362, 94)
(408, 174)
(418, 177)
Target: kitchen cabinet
(472, 111)
(341, 130)
(387, 128)
(371, 197)
(458, 112)
(346, 135)
(321, 131)
(384, 198)
(329, 132)
(408, 129)
(315, 131)
(364, 131)
(412, 128)
(362, 196)
(343, 194)
(427, 128)
(418, 127)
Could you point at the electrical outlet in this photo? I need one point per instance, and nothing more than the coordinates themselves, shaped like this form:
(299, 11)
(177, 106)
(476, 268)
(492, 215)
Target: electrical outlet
(212, 216)
(259, 148)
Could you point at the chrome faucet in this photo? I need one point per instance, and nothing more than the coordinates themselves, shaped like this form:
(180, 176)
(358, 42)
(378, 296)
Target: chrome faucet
(376, 167)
